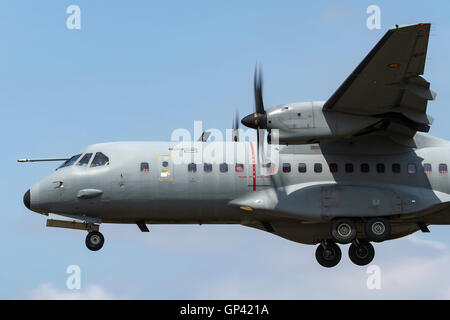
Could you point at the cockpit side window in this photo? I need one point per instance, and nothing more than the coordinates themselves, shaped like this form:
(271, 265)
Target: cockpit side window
(70, 162)
(100, 160)
(85, 160)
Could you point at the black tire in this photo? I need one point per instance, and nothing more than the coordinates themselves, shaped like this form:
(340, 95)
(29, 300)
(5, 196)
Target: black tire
(94, 240)
(361, 254)
(343, 230)
(377, 229)
(329, 256)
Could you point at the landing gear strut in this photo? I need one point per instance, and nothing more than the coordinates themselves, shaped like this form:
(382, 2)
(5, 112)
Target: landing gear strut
(94, 240)
(328, 254)
(361, 252)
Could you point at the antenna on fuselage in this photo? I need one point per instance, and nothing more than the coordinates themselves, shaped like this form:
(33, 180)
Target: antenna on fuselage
(42, 160)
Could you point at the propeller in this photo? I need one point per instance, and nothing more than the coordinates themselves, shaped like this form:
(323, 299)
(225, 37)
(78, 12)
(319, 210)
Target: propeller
(258, 119)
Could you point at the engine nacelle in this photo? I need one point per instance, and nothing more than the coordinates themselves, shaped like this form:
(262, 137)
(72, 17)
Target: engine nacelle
(306, 122)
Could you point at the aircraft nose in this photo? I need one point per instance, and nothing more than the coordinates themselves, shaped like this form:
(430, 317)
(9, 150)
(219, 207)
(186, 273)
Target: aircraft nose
(26, 199)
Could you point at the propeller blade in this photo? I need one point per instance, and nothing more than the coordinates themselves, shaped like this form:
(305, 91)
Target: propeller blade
(257, 146)
(258, 119)
(236, 126)
(257, 87)
(260, 148)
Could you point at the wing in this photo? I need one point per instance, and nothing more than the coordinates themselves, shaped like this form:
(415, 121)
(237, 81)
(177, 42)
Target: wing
(387, 83)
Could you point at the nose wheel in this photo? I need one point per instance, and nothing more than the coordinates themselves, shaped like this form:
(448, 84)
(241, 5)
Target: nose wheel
(94, 240)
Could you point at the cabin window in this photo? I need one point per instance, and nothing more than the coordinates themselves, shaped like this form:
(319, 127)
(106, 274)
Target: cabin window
(396, 168)
(380, 168)
(165, 164)
(85, 160)
(70, 162)
(207, 167)
(223, 167)
(286, 167)
(333, 167)
(100, 160)
(365, 167)
(427, 168)
(412, 169)
(317, 167)
(145, 167)
(349, 167)
(302, 167)
(443, 168)
(192, 167)
(239, 167)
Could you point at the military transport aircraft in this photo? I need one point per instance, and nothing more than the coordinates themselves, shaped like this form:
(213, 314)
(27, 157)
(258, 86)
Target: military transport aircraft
(354, 169)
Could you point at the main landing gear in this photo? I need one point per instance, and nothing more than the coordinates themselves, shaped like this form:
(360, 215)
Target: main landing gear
(361, 251)
(377, 229)
(343, 230)
(328, 253)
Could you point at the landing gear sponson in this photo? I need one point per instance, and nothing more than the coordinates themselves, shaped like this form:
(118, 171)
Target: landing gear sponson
(361, 251)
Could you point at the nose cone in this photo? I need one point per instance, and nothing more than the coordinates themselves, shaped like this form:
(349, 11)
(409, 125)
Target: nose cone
(255, 120)
(26, 199)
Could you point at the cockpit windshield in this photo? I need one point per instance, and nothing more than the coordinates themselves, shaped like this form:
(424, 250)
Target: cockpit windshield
(85, 160)
(70, 162)
(100, 160)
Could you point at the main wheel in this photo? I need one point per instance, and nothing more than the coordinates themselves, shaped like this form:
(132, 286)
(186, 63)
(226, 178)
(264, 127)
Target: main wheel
(377, 229)
(94, 240)
(343, 230)
(329, 255)
(362, 253)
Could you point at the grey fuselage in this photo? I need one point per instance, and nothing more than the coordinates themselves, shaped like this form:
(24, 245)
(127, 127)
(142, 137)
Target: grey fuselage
(128, 194)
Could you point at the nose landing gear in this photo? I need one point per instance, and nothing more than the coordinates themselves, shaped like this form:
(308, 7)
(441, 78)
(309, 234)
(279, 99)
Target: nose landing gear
(94, 240)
